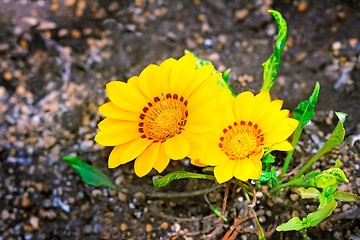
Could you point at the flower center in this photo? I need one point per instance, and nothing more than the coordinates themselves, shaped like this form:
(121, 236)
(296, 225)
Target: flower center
(241, 140)
(164, 118)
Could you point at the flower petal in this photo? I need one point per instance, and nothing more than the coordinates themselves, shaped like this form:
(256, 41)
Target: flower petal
(214, 156)
(165, 69)
(200, 75)
(110, 110)
(177, 147)
(114, 132)
(197, 163)
(146, 161)
(244, 106)
(283, 146)
(150, 82)
(163, 160)
(126, 152)
(197, 143)
(182, 73)
(125, 96)
(281, 132)
(224, 172)
(261, 104)
(243, 169)
(201, 121)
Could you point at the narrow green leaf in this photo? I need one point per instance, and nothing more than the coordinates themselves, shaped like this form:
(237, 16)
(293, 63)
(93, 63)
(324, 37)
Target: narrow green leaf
(308, 193)
(162, 181)
(337, 136)
(293, 224)
(316, 217)
(305, 110)
(303, 113)
(271, 66)
(345, 196)
(89, 174)
(223, 81)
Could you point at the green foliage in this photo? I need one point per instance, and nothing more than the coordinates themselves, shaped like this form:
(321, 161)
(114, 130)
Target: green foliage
(89, 174)
(311, 220)
(345, 196)
(271, 66)
(162, 181)
(305, 110)
(308, 193)
(223, 81)
(337, 136)
(303, 113)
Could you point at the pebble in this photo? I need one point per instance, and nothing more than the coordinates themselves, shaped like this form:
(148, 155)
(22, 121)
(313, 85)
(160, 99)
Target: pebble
(148, 228)
(34, 221)
(302, 6)
(294, 197)
(241, 14)
(164, 225)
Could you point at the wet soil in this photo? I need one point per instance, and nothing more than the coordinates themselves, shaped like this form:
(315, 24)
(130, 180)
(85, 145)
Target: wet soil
(55, 59)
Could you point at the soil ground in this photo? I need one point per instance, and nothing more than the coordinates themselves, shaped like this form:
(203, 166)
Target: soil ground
(56, 57)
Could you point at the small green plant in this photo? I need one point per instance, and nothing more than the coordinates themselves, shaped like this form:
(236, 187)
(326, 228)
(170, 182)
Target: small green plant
(186, 108)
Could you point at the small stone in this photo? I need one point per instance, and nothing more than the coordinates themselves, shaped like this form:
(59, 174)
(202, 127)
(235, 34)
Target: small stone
(148, 228)
(5, 214)
(241, 14)
(123, 227)
(176, 227)
(336, 46)
(34, 221)
(346, 207)
(164, 225)
(302, 6)
(295, 213)
(25, 201)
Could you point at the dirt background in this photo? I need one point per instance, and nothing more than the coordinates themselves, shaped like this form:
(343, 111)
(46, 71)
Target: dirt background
(56, 57)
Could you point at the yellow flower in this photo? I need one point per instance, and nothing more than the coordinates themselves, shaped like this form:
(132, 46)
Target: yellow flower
(161, 114)
(250, 125)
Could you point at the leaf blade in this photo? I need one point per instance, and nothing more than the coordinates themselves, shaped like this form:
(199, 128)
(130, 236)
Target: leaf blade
(89, 174)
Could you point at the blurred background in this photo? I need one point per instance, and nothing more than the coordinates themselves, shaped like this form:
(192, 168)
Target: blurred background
(56, 57)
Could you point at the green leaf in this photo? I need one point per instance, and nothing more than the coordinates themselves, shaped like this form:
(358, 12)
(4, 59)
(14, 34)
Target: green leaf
(162, 181)
(266, 175)
(303, 113)
(316, 217)
(90, 174)
(305, 110)
(337, 136)
(223, 81)
(308, 193)
(268, 158)
(330, 177)
(271, 66)
(345, 196)
(293, 224)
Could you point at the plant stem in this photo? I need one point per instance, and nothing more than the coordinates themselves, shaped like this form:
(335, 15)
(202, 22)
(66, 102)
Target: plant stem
(289, 155)
(303, 231)
(183, 194)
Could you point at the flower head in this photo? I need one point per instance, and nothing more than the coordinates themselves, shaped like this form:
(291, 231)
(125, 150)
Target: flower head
(161, 114)
(250, 125)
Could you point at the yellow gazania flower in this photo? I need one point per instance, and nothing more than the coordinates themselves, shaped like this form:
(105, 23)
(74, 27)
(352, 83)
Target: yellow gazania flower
(250, 125)
(161, 114)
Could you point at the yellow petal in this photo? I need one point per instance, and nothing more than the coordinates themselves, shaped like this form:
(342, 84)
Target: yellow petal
(110, 110)
(261, 104)
(150, 82)
(214, 156)
(197, 163)
(272, 120)
(224, 172)
(125, 96)
(112, 135)
(126, 152)
(256, 159)
(197, 143)
(182, 73)
(163, 160)
(210, 81)
(165, 68)
(243, 169)
(244, 106)
(200, 75)
(205, 98)
(281, 132)
(177, 147)
(134, 82)
(201, 121)
(283, 146)
(145, 162)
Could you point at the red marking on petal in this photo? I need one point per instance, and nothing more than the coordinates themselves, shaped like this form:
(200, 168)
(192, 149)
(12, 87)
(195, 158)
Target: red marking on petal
(168, 95)
(156, 99)
(175, 96)
(242, 123)
(142, 116)
(249, 123)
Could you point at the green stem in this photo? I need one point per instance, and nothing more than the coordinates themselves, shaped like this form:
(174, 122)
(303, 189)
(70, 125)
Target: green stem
(292, 182)
(289, 155)
(309, 163)
(303, 231)
(183, 194)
